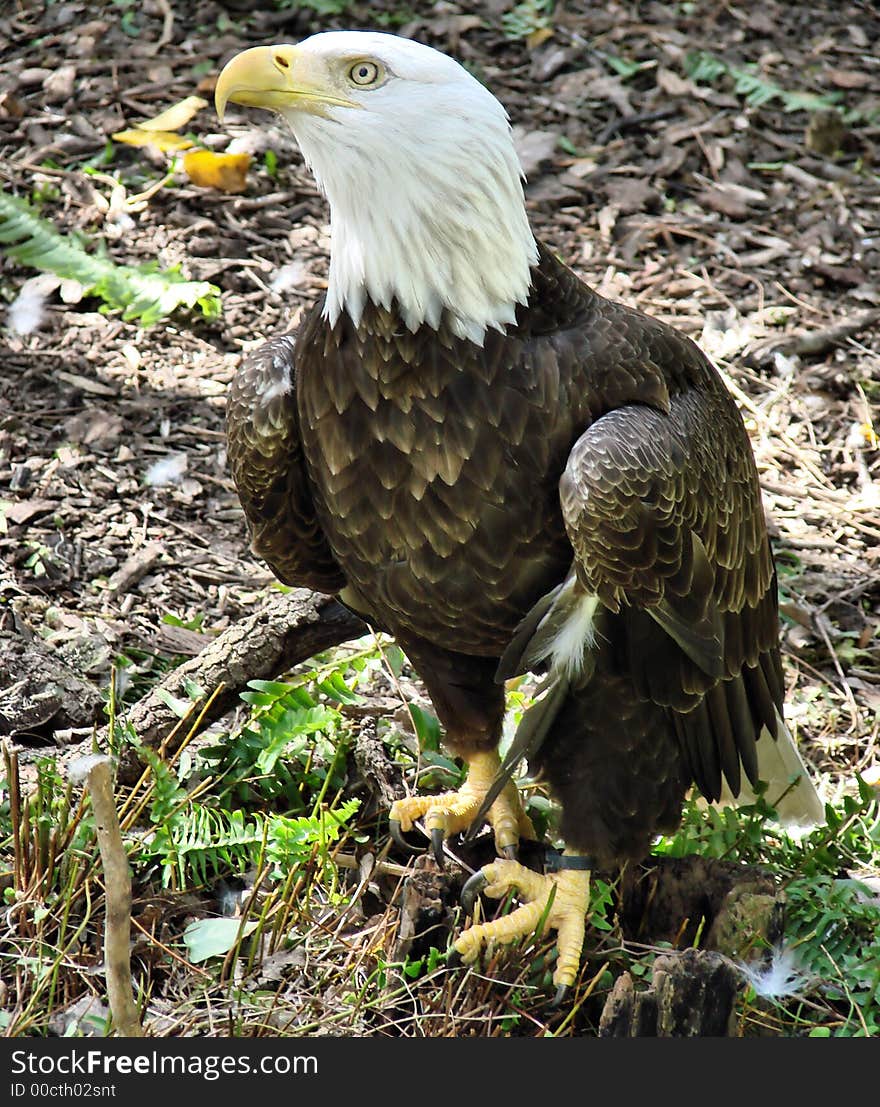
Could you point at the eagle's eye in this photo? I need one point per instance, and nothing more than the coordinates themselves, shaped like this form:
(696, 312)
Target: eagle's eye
(365, 73)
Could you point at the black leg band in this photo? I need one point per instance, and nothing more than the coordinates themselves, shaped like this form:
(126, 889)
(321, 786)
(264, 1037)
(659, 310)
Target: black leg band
(555, 861)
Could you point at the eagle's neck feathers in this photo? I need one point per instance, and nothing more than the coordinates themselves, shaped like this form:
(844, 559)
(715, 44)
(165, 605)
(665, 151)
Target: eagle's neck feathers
(428, 220)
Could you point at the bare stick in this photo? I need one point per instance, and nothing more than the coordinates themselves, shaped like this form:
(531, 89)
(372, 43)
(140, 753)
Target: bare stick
(96, 770)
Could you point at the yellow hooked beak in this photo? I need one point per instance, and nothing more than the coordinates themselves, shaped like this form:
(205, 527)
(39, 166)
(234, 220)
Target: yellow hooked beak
(278, 77)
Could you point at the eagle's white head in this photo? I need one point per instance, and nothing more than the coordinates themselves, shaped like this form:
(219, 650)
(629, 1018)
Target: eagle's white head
(417, 161)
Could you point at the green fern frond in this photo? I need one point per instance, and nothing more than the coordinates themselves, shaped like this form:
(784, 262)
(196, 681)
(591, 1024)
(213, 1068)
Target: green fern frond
(526, 18)
(139, 292)
(201, 843)
(832, 921)
(207, 841)
(705, 68)
(196, 843)
(292, 842)
(168, 794)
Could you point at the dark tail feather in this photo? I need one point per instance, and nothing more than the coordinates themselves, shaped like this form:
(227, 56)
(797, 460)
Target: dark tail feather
(743, 726)
(530, 734)
(716, 701)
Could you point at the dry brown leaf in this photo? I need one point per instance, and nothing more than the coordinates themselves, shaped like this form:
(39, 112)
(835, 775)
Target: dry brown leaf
(534, 148)
(226, 172)
(10, 106)
(606, 219)
(175, 117)
(668, 81)
(849, 78)
(730, 199)
(94, 388)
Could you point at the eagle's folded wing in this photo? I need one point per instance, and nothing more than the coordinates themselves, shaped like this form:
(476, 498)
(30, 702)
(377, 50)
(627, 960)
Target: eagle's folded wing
(268, 468)
(664, 514)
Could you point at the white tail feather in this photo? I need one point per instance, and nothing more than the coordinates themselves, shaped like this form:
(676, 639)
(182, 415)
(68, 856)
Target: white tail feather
(779, 764)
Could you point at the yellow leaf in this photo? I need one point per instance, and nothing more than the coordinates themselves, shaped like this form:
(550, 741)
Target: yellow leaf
(162, 140)
(226, 172)
(538, 37)
(175, 117)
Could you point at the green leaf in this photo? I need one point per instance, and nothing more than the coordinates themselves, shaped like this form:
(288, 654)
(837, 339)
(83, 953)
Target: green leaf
(335, 688)
(322, 7)
(704, 68)
(195, 691)
(427, 728)
(395, 658)
(215, 937)
(273, 688)
(413, 968)
(623, 67)
(527, 18)
(180, 707)
(139, 292)
(291, 841)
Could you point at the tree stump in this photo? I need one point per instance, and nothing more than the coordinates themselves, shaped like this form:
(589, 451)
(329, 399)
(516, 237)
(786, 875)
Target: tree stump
(691, 995)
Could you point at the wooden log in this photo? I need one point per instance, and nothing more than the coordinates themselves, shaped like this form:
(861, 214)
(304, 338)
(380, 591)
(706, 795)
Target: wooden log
(723, 905)
(263, 646)
(427, 908)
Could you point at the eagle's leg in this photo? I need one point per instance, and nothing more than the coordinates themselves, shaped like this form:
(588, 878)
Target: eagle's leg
(470, 704)
(451, 812)
(559, 900)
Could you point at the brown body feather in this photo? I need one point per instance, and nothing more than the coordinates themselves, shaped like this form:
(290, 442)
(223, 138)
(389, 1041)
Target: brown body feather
(449, 487)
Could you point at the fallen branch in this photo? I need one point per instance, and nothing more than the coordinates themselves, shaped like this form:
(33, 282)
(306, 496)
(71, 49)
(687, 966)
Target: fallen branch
(287, 631)
(811, 343)
(39, 692)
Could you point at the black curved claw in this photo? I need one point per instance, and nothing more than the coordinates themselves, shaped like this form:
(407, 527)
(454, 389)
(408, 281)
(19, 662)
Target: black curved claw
(472, 888)
(561, 993)
(437, 845)
(510, 852)
(398, 838)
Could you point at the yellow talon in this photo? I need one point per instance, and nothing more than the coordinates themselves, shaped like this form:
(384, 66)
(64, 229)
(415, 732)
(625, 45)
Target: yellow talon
(452, 812)
(560, 900)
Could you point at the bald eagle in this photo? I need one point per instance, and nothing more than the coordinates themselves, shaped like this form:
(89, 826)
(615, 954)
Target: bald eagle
(483, 457)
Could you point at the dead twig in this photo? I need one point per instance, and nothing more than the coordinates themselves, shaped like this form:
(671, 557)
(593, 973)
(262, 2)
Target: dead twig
(96, 771)
(167, 24)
